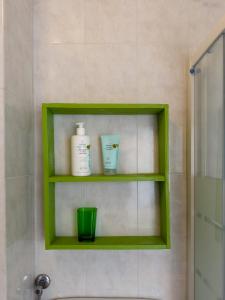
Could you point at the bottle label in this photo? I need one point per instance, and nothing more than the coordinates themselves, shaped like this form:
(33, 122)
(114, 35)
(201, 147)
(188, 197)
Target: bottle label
(82, 154)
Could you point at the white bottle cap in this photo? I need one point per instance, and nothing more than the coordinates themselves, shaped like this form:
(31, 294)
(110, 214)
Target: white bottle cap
(80, 128)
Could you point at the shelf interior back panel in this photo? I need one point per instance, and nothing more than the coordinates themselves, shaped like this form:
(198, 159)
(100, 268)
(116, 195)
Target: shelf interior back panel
(124, 208)
(138, 141)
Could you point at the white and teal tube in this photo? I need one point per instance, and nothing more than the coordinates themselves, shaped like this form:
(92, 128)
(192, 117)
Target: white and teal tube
(110, 153)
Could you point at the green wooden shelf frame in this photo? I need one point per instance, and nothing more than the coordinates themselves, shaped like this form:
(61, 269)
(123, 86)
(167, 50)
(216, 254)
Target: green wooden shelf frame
(50, 178)
(101, 177)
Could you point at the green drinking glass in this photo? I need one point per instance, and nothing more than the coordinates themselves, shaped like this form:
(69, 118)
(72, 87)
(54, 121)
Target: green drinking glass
(86, 223)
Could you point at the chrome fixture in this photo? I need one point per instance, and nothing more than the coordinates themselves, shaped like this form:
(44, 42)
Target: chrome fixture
(192, 71)
(42, 281)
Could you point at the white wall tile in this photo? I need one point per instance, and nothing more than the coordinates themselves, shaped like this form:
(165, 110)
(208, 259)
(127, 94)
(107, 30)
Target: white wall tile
(1, 46)
(64, 267)
(178, 204)
(177, 290)
(69, 196)
(18, 35)
(19, 134)
(111, 273)
(152, 28)
(20, 276)
(147, 127)
(112, 22)
(148, 208)
(116, 204)
(203, 16)
(59, 72)
(2, 134)
(3, 262)
(57, 21)
(160, 67)
(110, 71)
(19, 212)
(19, 146)
(154, 273)
(19, 235)
(177, 152)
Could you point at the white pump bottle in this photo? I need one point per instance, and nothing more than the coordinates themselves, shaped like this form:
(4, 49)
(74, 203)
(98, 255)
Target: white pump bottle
(80, 152)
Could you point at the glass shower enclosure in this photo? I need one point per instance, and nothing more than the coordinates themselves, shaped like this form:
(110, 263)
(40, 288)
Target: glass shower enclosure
(209, 161)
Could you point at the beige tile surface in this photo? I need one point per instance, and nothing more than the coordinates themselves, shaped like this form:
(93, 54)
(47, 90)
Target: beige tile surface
(148, 208)
(59, 21)
(111, 22)
(203, 16)
(110, 71)
(1, 46)
(19, 214)
(19, 134)
(18, 46)
(62, 265)
(59, 72)
(147, 144)
(19, 147)
(111, 273)
(159, 68)
(158, 21)
(20, 245)
(118, 51)
(116, 204)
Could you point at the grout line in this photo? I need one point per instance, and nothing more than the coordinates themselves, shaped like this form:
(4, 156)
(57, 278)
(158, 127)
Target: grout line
(138, 273)
(137, 135)
(85, 272)
(85, 23)
(85, 51)
(19, 176)
(137, 118)
(136, 48)
(86, 43)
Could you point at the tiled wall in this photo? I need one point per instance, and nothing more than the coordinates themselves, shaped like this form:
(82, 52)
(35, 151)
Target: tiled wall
(118, 51)
(129, 208)
(203, 16)
(3, 278)
(19, 139)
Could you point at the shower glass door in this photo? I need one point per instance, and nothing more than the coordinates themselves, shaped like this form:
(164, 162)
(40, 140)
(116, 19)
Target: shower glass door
(209, 174)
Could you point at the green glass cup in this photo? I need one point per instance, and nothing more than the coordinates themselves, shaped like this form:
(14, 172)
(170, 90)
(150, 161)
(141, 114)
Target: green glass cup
(86, 223)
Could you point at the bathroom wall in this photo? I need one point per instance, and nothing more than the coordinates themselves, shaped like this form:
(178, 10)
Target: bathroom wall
(2, 169)
(118, 51)
(203, 16)
(19, 139)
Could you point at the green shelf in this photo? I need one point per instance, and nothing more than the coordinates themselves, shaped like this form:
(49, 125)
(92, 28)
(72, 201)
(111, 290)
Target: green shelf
(104, 178)
(105, 109)
(110, 243)
(52, 241)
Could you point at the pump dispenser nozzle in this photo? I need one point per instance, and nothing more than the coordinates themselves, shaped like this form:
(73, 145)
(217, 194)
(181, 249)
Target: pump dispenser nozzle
(80, 128)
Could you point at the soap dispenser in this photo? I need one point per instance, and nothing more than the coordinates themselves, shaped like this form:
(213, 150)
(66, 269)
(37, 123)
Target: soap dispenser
(80, 152)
